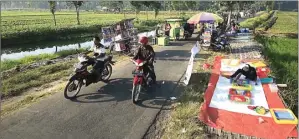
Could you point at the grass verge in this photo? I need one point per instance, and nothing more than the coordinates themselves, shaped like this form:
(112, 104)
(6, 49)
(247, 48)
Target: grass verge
(8, 64)
(29, 99)
(254, 22)
(16, 84)
(183, 119)
(282, 55)
(283, 60)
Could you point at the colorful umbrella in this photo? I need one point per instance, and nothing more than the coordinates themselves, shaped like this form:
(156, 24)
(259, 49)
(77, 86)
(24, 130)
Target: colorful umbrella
(204, 17)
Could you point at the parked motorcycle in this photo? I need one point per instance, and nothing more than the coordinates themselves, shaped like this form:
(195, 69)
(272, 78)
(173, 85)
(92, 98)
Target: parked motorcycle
(187, 34)
(221, 44)
(188, 31)
(83, 76)
(140, 79)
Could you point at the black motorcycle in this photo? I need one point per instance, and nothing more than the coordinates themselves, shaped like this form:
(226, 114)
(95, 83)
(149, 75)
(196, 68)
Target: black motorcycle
(221, 44)
(188, 31)
(83, 76)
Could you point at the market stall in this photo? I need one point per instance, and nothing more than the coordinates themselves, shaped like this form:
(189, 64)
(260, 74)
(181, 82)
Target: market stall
(125, 36)
(243, 107)
(177, 30)
(209, 21)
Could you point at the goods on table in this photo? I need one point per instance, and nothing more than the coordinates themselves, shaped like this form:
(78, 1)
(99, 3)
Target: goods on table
(235, 96)
(259, 109)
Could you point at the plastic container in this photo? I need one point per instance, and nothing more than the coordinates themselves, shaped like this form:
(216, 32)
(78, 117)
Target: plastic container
(273, 87)
(163, 41)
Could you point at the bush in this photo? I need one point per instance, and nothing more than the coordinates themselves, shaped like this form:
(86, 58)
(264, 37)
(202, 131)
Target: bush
(252, 23)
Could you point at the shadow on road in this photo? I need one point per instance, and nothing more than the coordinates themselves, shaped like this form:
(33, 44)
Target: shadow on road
(179, 55)
(120, 90)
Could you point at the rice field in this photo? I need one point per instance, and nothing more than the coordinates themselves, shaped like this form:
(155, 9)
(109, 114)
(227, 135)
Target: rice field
(287, 22)
(282, 53)
(18, 24)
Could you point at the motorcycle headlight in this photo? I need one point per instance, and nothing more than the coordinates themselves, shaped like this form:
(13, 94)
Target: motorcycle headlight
(141, 64)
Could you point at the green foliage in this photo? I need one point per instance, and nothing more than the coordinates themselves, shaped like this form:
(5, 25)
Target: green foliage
(286, 23)
(255, 21)
(8, 64)
(52, 6)
(283, 60)
(20, 82)
(137, 5)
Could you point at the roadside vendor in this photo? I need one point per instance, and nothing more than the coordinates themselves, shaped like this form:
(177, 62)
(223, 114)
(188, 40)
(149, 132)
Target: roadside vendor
(248, 71)
(167, 28)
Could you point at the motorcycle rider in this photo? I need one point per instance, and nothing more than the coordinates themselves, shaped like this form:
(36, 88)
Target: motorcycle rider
(147, 53)
(99, 53)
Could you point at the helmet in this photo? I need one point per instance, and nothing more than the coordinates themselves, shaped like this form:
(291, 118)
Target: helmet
(143, 40)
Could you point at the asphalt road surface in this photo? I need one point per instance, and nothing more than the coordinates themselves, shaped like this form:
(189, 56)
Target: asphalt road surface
(102, 111)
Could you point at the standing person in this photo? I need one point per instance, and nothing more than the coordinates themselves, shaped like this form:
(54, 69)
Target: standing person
(167, 28)
(201, 29)
(147, 53)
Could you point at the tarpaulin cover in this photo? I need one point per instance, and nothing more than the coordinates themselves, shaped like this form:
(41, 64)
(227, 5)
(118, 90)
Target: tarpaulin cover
(239, 119)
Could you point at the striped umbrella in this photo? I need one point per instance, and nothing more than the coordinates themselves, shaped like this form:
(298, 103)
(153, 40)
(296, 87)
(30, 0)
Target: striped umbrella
(204, 17)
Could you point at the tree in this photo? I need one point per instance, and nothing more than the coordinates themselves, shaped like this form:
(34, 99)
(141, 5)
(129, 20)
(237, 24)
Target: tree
(77, 5)
(190, 5)
(53, 9)
(121, 4)
(242, 5)
(137, 6)
(175, 5)
(156, 5)
(269, 5)
(229, 5)
(147, 4)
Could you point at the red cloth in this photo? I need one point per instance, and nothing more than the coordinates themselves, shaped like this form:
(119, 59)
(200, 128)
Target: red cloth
(262, 74)
(243, 123)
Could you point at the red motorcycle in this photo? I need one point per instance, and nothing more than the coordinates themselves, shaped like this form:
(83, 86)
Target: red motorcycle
(140, 80)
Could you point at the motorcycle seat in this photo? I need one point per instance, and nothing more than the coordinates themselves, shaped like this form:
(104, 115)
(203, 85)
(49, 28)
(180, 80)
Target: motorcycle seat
(105, 58)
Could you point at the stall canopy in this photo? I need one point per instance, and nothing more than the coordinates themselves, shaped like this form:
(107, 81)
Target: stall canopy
(204, 17)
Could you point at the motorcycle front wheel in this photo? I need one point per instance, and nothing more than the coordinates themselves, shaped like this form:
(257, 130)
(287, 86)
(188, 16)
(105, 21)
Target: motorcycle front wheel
(135, 93)
(107, 72)
(204, 46)
(72, 87)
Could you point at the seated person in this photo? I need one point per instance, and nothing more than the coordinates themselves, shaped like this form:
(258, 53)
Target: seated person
(248, 71)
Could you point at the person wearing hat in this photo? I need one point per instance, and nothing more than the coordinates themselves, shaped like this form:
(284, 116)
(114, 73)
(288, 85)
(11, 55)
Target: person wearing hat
(147, 53)
(248, 71)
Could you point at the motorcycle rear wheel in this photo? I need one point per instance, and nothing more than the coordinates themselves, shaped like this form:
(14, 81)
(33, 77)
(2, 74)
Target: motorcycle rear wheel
(228, 49)
(72, 86)
(135, 93)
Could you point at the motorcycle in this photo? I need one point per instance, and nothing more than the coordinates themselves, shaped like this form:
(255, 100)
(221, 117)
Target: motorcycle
(140, 80)
(221, 43)
(187, 34)
(83, 76)
(188, 31)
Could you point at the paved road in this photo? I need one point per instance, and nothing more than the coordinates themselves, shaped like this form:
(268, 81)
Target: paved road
(101, 111)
